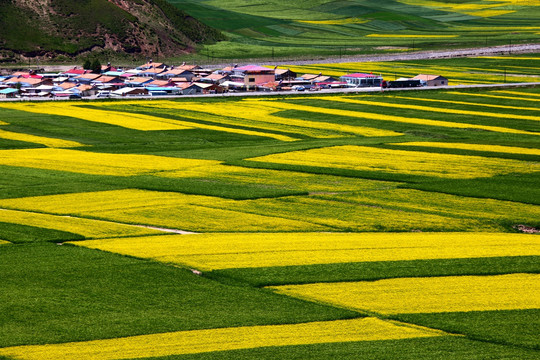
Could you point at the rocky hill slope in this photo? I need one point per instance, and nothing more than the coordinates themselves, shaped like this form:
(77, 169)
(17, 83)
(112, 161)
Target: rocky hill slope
(48, 28)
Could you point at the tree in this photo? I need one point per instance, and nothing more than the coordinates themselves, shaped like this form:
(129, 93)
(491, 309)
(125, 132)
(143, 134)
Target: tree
(96, 67)
(87, 65)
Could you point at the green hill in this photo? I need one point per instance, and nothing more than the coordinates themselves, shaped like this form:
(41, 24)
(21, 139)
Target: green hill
(258, 28)
(48, 28)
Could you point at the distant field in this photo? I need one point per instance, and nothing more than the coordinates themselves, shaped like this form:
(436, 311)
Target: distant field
(287, 29)
(458, 71)
(387, 224)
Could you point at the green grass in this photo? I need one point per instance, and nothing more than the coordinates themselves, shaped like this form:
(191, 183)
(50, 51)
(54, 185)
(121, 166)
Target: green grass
(371, 271)
(510, 327)
(441, 348)
(54, 294)
(17, 234)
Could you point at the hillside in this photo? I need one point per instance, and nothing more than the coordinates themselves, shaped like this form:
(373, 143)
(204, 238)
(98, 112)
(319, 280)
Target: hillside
(296, 29)
(48, 28)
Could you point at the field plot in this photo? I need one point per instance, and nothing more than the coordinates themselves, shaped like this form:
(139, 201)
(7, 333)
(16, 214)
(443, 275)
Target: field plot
(458, 71)
(199, 341)
(428, 295)
(226, 251)
(300, 204)
(279, 28)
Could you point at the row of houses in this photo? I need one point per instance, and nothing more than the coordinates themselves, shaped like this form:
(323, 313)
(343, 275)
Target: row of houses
(157, 79)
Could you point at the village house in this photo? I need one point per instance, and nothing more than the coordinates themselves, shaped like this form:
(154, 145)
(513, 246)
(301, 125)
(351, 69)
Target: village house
(8, 93)
(215, 78)
(432, 80)
(209, 88)
(176, 72)
(255, 75)
(362, 80)
(86, 78)
(285, 74)
(130, 91)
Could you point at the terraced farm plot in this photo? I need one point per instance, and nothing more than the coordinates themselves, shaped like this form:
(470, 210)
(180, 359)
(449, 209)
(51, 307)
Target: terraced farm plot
(86, 162)
(87, 228)
(401, 162)
(427, 295)
(233, 338)
(226, 251)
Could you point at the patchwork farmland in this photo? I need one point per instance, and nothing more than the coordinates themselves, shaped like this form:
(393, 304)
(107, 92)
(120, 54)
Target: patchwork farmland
(380, 226)
(301, 29)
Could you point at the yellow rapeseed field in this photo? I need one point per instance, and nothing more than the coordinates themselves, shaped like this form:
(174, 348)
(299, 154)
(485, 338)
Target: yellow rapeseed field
(335, 21)
(240, 250)
(437, 109)
(474, 147)
(514, 92)
(3, 242)
(166, 209)
(403, 162)
(262, 113)
(222, 339)
(469, 103)
(49, 142)
(494, 96)
(480, 9)
(427, 295)
(383, 117)
(86, 227)
(127, 120)
(315, 183)
(411, 36)
(87, 162)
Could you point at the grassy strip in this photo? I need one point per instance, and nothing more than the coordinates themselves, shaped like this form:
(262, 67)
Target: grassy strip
(17, 234)
(513, 187)
(75, 294)
(369, 271)
(440, 348)
(515, 327)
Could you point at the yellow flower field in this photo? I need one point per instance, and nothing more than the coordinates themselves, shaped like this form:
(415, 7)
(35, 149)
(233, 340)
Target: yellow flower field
(427, 295)
(166, 209)
(130, 121)
(411, 36)
(335, 21)
(474, 147)
(468, 103)
(240, 250)
(401, 119)
(493, 96)
(513, 92)
(3, 242)
(261, 114)
(49, 142)
(480, 9)
(86, 162)
(222, 339)
(403, 162)
(287, 214)
(291, 180)
(86, 227)
(424, 203)
(432, 109)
